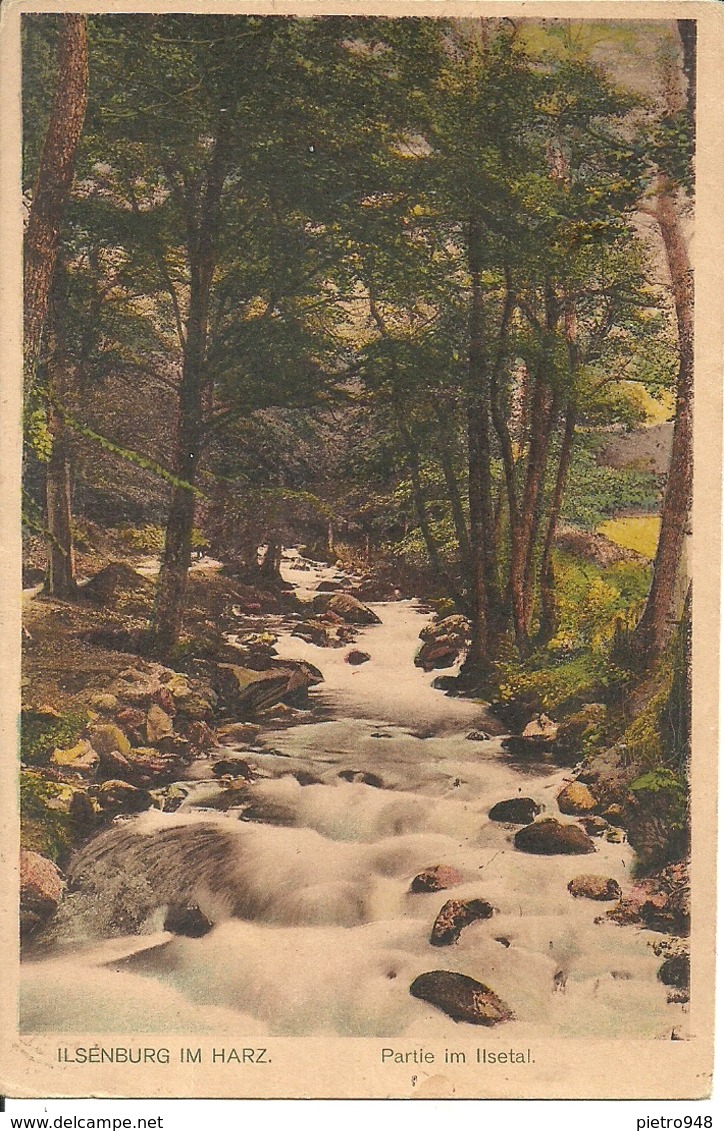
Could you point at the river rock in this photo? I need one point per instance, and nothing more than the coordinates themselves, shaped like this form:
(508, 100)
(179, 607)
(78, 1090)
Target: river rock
(541, 727)
(675, 971)
(516, 810)
(233, 734)
(461, 997)
(438, 878)
(194, 698)
(594, 887)
(236, 767)
(114, 582)
(347, 607)
(108, 738)
(548, 837)
(104, 701)
(158, 724)
(305, 778)
(362, 776)
(576, 800)
(318, 633)
(439, 653)
(118, 796)
(478, 736)
(594, 826)
(133, 721)
(149, 766)
(455, 915)
(81, 758)
(246, 691)
(187, 919)
(41, 890)
(355, 657)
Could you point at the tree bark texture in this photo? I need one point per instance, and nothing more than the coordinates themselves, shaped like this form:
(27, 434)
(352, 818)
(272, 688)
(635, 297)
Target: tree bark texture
(203, 223)
(53, 185)
(654, 628)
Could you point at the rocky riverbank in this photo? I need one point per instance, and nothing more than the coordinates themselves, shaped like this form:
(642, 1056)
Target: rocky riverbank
(297, 775)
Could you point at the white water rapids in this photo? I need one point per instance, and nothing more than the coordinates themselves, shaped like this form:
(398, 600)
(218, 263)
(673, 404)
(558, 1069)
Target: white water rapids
(315, 931)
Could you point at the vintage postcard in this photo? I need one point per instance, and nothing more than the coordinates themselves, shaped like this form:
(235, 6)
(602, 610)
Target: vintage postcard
(361, 369)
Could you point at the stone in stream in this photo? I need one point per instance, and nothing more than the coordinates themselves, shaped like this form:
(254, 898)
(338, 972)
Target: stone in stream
(108, 738)
(187, 919)
(454, 916)
(355, 657)
(461, 997)
(41, 890)
(674, 971)
(118, 796)
(477, 736)
(345, 606)
(363, 777)
(516, 810)
(246, 690)
(594, 887)
(441, 652)
(437, 878)
(576, 800)
(595, 826)
(236, 767)
(548, 837)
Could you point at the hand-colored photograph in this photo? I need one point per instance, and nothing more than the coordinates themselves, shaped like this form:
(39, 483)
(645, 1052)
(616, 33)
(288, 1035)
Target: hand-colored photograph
(356, 513)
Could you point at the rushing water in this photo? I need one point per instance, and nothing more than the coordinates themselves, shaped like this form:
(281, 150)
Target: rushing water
(316, 931)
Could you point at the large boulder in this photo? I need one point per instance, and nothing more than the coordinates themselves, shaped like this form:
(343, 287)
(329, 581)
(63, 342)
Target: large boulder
(454, 916)
(576, 800)
(442, 652)
(461, 997)
(118, 581)
(516, 810)
(41, 890)
(549, 837)
(594, 887)
(345, 606)
(246, 691)
(437, 878)
(442, 643)
(187, 919)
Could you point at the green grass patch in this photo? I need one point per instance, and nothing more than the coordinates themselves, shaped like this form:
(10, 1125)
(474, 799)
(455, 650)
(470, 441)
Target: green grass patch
(636, 532)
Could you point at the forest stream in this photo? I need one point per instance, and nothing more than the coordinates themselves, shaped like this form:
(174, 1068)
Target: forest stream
(316, 930)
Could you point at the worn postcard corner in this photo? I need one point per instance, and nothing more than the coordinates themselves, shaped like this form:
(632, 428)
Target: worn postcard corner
(361, 548)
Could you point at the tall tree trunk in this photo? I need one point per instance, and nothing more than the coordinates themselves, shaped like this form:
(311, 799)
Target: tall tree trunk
(418, 498)
(655, 626)
(453, 491)
(60, 579)
(523, 533)
(485, 586)
(203, 222)
(548, 625)
(53, 184)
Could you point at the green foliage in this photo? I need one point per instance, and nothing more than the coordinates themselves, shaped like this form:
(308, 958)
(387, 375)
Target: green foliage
(550, 685)
(595, 493)
(46, 827)
(147, 539)
(593, 603)
(41, 734)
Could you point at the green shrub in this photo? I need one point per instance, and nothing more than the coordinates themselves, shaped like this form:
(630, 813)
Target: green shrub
(44, 826)
(41, 733)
